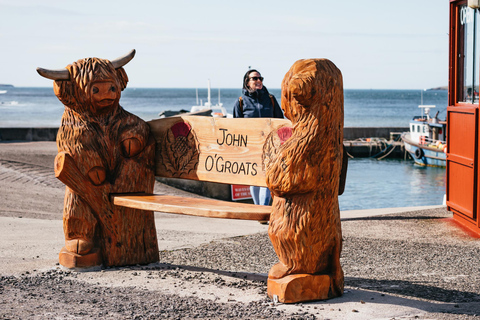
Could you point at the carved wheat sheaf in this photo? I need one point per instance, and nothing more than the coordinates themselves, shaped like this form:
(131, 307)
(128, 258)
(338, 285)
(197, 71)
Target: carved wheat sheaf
(180, 150)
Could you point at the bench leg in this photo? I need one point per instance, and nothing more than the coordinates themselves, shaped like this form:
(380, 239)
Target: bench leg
(73, 260)
(299, 287)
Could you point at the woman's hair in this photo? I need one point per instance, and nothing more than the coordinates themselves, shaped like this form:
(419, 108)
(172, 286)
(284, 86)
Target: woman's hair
(246, 78)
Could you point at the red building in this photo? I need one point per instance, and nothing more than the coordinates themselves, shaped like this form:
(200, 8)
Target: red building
(463, 183)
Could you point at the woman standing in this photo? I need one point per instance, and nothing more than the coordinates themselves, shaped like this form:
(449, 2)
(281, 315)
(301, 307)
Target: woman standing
(256, 102)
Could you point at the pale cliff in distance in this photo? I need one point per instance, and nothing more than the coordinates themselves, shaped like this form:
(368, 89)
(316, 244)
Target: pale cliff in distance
(439, 88)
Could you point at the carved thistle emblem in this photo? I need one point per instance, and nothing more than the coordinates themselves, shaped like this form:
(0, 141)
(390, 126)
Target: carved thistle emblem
(273, 142)
(180, 150)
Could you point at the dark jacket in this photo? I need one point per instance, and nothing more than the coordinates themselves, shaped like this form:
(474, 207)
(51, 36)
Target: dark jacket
(257, 104)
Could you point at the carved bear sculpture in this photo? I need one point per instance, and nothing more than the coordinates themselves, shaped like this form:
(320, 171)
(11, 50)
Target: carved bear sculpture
(103, 149)
(304, 177)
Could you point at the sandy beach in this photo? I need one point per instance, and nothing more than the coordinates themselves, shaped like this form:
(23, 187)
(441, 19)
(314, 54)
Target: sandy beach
(402, 263)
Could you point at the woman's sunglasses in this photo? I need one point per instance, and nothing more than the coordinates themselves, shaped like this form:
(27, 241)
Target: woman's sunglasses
(256, 78)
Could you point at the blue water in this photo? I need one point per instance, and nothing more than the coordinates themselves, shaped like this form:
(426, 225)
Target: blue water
(391, 183)
(35, 107)
(370, 183)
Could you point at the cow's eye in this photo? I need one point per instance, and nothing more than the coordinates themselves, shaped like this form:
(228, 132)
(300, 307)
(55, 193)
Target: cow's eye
(95, 90)
(113, 89)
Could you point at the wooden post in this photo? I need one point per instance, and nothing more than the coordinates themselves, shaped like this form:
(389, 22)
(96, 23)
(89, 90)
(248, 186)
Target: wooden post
(303, 173)
(103, 150)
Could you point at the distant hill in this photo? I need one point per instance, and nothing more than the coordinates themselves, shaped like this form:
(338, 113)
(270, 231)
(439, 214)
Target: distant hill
(439, 88)
(6, 85)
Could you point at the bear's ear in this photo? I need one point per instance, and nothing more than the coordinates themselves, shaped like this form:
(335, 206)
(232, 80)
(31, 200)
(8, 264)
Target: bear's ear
(331, 87)
(302, 90)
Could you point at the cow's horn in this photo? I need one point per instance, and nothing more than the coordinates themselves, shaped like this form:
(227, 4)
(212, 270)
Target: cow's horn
(123, 60)
(61, 74)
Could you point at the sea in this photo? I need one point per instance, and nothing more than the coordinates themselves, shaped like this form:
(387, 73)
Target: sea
(371, 183)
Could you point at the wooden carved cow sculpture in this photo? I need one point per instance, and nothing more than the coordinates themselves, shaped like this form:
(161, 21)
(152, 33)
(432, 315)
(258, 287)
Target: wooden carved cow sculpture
(304, 177)
(103, 150)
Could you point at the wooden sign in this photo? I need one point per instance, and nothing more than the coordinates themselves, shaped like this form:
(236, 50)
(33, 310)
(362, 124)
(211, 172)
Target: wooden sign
(226, 150)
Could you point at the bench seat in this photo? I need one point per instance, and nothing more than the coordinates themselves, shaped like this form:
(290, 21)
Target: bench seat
(194, 206)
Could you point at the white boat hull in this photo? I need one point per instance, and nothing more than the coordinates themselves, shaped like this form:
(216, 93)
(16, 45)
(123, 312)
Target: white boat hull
(424, 155)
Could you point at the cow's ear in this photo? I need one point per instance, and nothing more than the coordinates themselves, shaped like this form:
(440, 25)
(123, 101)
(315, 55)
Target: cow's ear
(122, 78)
(65, 92)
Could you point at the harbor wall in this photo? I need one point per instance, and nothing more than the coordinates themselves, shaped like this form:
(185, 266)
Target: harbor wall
(28, 134)
(352, 133)
(49, 134)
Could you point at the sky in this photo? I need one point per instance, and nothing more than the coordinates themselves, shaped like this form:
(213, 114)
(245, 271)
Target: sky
(377, 44)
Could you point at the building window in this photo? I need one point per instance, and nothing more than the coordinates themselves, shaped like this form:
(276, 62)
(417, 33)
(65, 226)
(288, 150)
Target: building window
(469, 32)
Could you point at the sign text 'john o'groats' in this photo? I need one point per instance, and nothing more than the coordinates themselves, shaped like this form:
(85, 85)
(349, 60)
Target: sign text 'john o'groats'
(216, 149)
(218, 163)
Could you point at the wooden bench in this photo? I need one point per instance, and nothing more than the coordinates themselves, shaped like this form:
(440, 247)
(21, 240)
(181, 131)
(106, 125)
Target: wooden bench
(108, 159)
(221, 150)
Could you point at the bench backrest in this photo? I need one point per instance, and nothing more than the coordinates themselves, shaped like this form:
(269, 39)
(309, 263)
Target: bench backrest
(223, 150)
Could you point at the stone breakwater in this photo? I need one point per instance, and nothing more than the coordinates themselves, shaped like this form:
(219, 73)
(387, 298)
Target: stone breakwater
(28, 134)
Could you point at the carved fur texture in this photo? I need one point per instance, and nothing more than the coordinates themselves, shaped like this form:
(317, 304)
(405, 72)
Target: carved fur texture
(113, 150)
(304, 175)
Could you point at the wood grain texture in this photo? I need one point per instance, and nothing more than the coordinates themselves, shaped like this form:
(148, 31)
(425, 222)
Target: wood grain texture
(212, 149)
(108, 159)
(73, 260)
(299, 288)
(303, 174)
(103, 149)
(195, 207)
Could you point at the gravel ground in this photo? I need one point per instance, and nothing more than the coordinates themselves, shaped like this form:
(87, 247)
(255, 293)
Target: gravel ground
(413, 257)
(420, 268)
(58, 295)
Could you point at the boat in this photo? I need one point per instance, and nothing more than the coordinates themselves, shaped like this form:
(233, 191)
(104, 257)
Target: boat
(426, 141)
(3, 91)
(217, 110)
(201, 109)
